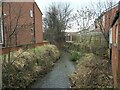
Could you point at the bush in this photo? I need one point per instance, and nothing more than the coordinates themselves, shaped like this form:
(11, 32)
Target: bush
(91, 44)
(92, 72)
(75, 55)
(25, 66)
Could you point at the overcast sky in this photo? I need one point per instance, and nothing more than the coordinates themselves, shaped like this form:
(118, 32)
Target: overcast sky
(75, 4)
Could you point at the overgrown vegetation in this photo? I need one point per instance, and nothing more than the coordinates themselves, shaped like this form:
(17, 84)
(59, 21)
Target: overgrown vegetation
(93, 69)
(56, 22)
(90, 44)
(75, 55)
(26, 66)
(92, 72)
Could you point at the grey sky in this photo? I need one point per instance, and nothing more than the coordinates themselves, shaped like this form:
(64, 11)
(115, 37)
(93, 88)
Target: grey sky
(43, 4)
(75, 4)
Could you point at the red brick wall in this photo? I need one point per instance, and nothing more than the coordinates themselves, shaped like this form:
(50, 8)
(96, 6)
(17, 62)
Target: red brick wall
(16, 48)
(38, 25)
(24, 33)
(116, 53)
(21, 10)
(109, 15)
(107, 18)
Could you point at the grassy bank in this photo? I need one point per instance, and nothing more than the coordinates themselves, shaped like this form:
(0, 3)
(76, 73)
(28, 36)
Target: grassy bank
(27, 65)
(92, 72)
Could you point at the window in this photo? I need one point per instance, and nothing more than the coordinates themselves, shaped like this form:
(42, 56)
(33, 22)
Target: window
(110, 36)
(31, 13)
(1, 32)
(116, 37)
(103, 20)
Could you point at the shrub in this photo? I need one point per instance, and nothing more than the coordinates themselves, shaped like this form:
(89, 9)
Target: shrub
(92, 72)
(26, 65)
(91, 44)
(75, 55)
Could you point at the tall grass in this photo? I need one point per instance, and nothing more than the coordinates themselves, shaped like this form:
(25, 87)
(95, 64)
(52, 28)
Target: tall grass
(27, 65)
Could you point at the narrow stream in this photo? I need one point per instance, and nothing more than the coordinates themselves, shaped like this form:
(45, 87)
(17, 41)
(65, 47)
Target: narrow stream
(58, 77)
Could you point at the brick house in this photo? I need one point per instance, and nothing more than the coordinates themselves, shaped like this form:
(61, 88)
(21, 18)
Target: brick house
(106, 17)
(22, 24)
(115, 41)
(71, 36)
(111, 24)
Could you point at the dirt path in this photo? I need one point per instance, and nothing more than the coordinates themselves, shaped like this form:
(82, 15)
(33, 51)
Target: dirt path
(58, 77)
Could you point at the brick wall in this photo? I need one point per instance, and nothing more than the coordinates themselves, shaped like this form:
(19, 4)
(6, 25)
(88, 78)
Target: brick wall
(109, 15)
(21, 17)
(107, 18)
(16, 48)
(38, 25)
(116, 53)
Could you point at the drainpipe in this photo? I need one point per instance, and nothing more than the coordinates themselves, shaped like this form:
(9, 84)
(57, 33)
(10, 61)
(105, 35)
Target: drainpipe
(1, 2)
(34, 21)
(3, 25)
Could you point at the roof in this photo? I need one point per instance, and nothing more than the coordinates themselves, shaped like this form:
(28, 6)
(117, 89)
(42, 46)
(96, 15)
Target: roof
(115, 18)
(116, 15)
(38, 8)
(108, 9)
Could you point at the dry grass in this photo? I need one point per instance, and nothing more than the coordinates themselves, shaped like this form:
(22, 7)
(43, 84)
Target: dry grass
(26, 66)
(92, 72)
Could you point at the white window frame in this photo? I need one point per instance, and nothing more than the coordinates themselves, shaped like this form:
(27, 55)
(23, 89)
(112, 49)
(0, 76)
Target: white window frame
(31, 13)
(1, 31)
(103, 21)
(116, 35)
(110, 36)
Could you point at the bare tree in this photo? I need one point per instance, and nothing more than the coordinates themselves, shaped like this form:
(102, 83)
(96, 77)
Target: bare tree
(102, 8)
(84, 17)
(56, 22)
(15, 21)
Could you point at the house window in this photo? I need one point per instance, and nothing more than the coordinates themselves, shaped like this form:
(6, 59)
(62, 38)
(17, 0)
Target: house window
(1, 32)
(103, 20)
(31, 13)
(110, 36)
(116, 33)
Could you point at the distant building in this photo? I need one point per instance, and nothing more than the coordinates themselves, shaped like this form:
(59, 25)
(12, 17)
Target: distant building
(71, 36)
(90, 31)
